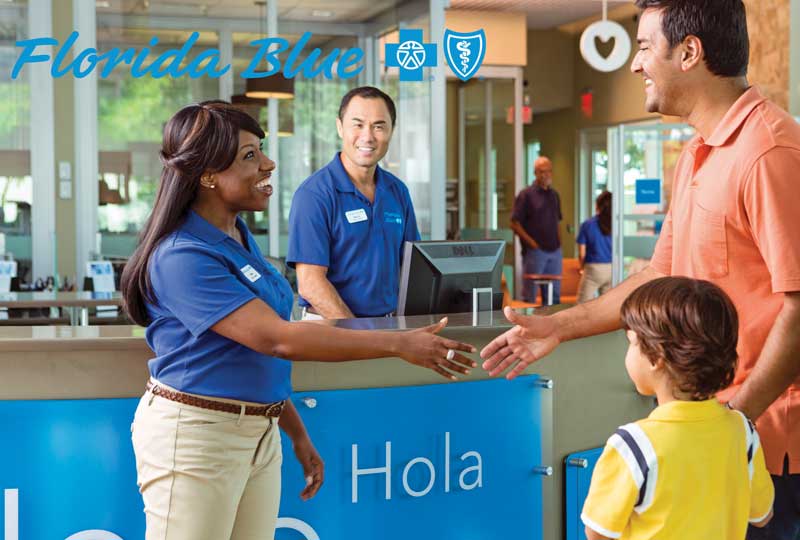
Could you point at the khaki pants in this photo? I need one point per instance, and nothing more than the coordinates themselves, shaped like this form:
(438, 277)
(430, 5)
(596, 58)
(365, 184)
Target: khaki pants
(596, 277)
(206, 475)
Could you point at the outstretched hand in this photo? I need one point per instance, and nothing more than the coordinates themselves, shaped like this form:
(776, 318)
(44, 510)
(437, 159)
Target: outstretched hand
(424, 348)
(532, 338)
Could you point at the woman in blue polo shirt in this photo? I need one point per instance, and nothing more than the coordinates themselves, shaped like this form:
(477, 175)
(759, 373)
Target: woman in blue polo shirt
(594, 247)
(208, 453)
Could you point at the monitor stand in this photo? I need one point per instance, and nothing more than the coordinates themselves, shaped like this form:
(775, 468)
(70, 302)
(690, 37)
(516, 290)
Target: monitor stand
(477, 292)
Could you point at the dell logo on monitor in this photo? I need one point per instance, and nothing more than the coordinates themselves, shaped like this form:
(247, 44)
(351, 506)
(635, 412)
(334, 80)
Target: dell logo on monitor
(463, 251)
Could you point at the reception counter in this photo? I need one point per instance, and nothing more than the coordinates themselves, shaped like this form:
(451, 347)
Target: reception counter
(588, 397)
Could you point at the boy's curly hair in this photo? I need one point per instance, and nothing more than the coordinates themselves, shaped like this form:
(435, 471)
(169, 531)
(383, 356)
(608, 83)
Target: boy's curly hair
(692, 325)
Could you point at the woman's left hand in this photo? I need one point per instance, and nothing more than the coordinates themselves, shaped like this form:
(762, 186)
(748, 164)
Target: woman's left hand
(313, 467)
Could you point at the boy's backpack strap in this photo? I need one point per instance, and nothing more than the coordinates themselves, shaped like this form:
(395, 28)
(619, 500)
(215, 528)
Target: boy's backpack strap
(751, 440)
(632, 443)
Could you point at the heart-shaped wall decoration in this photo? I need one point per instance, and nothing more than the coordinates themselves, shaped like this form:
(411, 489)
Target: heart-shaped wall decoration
(606, 30)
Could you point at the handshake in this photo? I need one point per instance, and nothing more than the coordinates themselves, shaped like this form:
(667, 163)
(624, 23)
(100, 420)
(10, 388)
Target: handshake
(532, 337)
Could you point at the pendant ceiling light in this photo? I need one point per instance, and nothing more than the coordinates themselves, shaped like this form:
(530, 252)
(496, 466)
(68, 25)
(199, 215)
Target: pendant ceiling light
(253, 106)
(275, 86)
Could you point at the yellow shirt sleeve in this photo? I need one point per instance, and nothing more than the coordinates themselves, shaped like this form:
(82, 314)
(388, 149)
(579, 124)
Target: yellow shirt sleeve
(762, 492)
(612, 495)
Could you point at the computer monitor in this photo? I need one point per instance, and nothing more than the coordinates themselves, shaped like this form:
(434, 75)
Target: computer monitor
(440, 277)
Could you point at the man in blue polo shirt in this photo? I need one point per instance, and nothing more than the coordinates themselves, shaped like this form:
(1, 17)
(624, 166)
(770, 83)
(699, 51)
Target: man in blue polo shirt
(350, 219)
(537, 212)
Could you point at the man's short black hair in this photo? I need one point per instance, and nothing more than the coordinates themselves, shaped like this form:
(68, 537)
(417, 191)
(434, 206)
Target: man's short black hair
(721, 25)
(369, 92)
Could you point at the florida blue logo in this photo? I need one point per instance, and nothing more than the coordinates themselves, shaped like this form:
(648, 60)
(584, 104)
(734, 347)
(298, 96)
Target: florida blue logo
(411, 55)
(464, 52)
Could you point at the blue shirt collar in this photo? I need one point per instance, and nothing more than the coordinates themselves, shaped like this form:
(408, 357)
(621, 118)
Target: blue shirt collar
(198, 226)
(342, 182)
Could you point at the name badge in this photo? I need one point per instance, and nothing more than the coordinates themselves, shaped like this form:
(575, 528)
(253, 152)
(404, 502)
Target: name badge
(250, 273)
(354, 216)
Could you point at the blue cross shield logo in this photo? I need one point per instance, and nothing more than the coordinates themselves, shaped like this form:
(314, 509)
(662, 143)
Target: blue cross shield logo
(410, 55)
(464, 52)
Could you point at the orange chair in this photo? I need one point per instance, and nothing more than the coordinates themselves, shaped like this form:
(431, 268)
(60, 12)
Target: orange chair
(570, 280)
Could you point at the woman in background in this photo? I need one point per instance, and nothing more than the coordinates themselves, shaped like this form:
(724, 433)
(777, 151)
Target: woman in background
(594, 245)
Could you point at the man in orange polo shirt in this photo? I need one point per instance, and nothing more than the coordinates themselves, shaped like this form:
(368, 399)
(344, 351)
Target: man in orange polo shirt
(734, 220)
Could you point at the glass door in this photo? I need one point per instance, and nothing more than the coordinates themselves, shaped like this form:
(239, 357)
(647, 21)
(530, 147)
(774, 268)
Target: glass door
(641, 160)
(489, 150)
(487, 161)
(593, 178)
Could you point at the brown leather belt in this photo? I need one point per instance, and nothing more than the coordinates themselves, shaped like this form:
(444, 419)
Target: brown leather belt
(273, 409)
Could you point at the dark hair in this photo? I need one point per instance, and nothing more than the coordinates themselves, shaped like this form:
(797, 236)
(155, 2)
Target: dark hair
(603, 202)
(368, 92)
(692, 325)
(197, 139)
(721, 26)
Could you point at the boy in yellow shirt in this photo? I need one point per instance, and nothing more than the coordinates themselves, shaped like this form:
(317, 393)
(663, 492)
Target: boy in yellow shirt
(693, 469)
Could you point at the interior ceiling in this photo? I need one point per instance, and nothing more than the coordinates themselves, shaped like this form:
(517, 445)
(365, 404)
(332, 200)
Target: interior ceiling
(293, 10)
(542, 14)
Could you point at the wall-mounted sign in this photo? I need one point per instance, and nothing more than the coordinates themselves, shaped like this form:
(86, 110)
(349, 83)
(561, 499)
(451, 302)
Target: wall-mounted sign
(648, 191)
(606, 30)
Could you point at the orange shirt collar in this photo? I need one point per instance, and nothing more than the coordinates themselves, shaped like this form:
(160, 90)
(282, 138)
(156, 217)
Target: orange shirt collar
(735, 116)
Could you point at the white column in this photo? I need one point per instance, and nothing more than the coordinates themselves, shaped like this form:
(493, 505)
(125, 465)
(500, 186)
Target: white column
(272, 127)
(519, 174)
(42, 146)
(86, 147)
(226, 59)
(370, 72)
(438, 155)
(363, 76)
(615, 139)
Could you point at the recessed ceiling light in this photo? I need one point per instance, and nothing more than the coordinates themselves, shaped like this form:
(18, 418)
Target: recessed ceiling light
(103, 4)
(322, 13)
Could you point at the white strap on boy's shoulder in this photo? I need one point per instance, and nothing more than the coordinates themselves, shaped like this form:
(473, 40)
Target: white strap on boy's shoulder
(752, 442)
(635, 448)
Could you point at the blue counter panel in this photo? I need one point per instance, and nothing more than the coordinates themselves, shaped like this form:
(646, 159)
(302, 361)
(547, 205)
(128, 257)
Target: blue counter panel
(576, 487)
(451, 461)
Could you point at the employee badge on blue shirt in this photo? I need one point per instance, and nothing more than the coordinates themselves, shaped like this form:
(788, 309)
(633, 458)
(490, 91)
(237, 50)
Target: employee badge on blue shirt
(250, 273)
(354, 216)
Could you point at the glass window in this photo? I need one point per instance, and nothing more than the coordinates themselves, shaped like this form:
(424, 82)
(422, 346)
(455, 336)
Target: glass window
(131, 116)
(409, 156)
(16, 186)
(307, 136)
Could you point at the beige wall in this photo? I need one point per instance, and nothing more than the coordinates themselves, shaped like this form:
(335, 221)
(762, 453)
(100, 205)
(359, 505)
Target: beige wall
(768, 23)
(64, 106)
(618, 96)
(550, 71)
(452, 129)
(505, 34)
